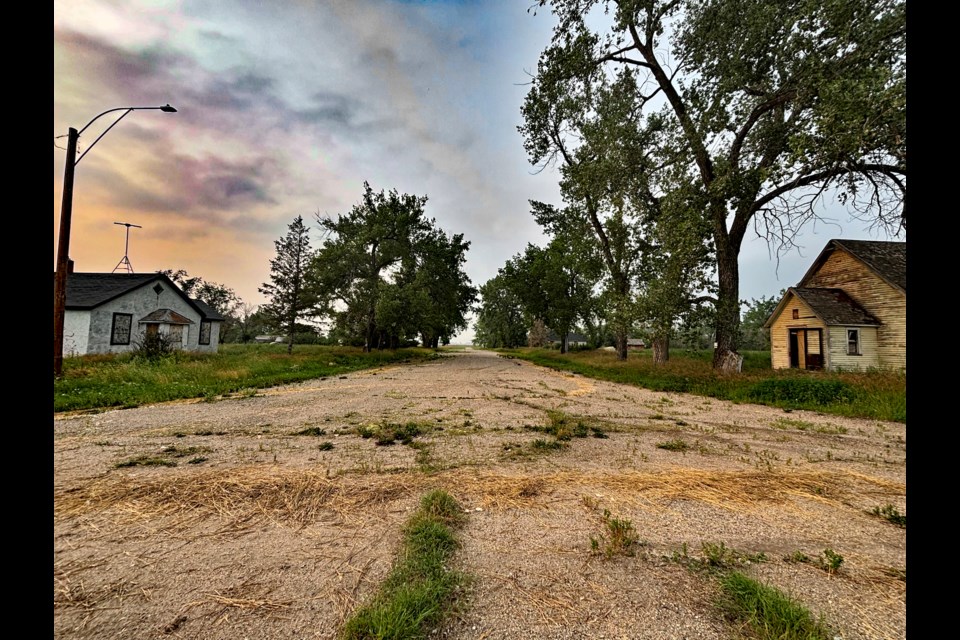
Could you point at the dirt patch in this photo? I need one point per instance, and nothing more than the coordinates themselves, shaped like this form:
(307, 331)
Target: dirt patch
(273, 517)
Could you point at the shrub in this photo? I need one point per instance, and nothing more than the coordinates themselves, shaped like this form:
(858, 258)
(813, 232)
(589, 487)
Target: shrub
(152, 347)
(801, 391)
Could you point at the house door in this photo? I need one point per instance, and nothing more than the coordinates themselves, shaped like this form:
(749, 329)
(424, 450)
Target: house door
(151, 329)
(806, 349)
(794, 349)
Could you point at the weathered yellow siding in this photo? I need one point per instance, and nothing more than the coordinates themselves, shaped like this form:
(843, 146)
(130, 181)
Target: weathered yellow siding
(838, 349)
(780, 332)
(885, 302)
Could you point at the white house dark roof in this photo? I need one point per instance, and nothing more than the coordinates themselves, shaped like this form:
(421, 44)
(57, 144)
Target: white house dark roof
(90, 290)
(887, 259)
(834, 306)
(165, 316)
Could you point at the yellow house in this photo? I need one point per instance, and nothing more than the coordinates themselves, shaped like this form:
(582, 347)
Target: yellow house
(848, 312)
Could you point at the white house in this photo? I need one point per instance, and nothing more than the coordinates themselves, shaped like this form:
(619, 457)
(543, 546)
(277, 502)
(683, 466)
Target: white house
(112, 312)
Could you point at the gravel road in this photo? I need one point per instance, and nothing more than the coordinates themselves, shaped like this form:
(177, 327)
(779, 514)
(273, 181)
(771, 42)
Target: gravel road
(269, 516)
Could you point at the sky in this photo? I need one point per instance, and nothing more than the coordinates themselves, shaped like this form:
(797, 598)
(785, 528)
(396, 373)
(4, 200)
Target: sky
(284, 109)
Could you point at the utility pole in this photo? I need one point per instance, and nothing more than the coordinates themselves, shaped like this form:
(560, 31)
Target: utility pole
(63, 252)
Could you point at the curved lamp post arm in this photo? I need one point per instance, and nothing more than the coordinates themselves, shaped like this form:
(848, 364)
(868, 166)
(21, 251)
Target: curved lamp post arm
(165, 108)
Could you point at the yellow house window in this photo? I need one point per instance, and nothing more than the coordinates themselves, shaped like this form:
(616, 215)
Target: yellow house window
(796, 314)
(853, 342)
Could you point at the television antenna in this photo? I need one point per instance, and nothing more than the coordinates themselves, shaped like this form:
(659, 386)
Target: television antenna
(125, 262)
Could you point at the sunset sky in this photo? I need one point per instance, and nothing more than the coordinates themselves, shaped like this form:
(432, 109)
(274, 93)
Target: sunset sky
(285, 108)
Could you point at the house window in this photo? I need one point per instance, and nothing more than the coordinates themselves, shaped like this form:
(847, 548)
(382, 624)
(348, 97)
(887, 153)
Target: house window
(796, 314)
(853, 342)
(205, 331)
(120, 333)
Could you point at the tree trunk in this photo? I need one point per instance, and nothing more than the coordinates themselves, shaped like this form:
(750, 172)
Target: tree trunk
(620, 338)
(292, 328)
(563, 343)
(661, 349)
(725, 356)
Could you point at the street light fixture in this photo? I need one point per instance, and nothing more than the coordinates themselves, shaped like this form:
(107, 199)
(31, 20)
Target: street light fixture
(66, 212)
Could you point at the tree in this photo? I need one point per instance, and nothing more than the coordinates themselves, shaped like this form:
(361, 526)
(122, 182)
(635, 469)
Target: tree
(755, 314)
(756, 110)
(387, 274)
(291, 299)
(500, 322)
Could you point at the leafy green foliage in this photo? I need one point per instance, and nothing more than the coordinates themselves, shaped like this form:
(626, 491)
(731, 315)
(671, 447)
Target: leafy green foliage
(755, 313)
(388, 275)
(500, 317)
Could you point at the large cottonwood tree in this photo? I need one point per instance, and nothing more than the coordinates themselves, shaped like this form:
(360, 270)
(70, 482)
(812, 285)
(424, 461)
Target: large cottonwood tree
(758, 111)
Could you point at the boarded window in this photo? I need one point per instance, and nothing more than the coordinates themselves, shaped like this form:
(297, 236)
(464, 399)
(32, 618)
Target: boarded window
(176, 335)
(120, 333)
(205, 331)
(853, 342)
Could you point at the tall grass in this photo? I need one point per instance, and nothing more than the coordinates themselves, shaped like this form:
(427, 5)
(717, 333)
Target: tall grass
(880, 395)
(768, 613)
(419, 589)
(101, 381)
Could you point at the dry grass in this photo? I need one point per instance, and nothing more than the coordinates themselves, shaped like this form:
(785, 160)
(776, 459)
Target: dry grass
(298, 497)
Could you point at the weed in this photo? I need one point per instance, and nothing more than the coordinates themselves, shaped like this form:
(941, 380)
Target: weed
(674, 445)
(546, 445)
(311, 431)
(420, 589)
(146, 461)
(831, 561)
(619, 538)
(197, 460)
(597, 432)
(325, 446)
(766, 611)
(718, 555)
(890, 513)
(797, 556)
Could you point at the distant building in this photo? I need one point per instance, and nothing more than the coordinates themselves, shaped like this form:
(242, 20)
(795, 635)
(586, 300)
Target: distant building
(113, 312)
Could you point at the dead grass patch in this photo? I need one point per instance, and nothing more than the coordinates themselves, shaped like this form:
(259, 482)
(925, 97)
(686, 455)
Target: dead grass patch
(300, 497)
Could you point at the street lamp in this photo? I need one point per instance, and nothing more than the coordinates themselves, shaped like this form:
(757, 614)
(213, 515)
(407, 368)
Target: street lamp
(66, 211)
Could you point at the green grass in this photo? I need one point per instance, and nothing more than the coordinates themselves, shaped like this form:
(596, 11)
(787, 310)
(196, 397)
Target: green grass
(420, 588)
(674, 445)
(880, 395)
(107, 381)
(767, 613)
(891, 514)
